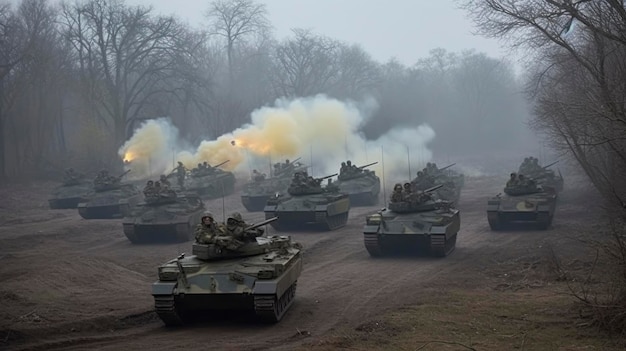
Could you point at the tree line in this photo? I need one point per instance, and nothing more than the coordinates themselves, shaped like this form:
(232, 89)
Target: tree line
(76, 78)
(577, 86)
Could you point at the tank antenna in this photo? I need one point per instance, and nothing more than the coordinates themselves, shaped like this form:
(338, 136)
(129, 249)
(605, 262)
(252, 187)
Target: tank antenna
(382, 158)
(223, 202)
(408, 159)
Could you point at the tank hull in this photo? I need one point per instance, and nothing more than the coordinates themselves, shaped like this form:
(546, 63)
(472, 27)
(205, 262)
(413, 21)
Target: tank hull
(428, 234)
(363, 191)
(232, 285)
(140, 233)
(519, 212)
(64, 203)
(254, 203)
(110, 204)
(213, 186)
(326, 216)
(64, 197)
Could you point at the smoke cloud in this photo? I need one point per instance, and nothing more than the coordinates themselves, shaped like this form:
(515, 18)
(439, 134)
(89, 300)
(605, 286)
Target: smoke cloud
(322, 131)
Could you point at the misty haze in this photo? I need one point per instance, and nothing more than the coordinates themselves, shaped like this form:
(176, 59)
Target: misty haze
(431, 174)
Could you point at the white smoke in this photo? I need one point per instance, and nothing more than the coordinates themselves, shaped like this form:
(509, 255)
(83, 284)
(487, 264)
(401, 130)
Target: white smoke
(322, 131)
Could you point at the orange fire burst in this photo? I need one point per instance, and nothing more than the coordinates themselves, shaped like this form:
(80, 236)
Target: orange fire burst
(258, 148)
(129, 156)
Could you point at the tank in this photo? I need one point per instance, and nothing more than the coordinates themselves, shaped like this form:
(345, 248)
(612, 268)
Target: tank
(413, 225)
(258, 278)
(452, 182)
(363, 186)
(522, 205)
(69, 195)
(308, 204)
(544, 176)
(168, 217)
(255, 194)
(213, 183)
(109, 203)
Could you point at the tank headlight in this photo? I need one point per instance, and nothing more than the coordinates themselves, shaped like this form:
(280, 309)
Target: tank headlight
(374, 219)
(168, 274)
(265, 274)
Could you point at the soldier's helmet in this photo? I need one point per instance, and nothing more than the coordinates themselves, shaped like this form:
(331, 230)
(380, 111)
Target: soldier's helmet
(428, 165)
(150, 183)
(199, 165)
(234, 219)
(513, 175)
(255, 171)
(420, 173)
(205, 163)
(343, 164)
(397, 187)
(287, 161)
(521, 177)
(180, 163)
(157, 183)
(163, 177)
(407, 186)
(207, 215)
(349, 163)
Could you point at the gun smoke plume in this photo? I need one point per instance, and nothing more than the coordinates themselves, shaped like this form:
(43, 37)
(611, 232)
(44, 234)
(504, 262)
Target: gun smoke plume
(322, 131)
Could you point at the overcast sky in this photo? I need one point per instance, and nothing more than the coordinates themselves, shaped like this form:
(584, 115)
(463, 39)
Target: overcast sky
(404, 29)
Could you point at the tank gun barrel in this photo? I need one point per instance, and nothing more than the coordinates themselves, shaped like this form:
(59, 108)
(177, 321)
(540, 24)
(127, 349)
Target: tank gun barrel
(260, 224)
(367, 165)
(431, 189)
(446, 167)
(328, 176)
(123, 174)
(550, 165)
(221, 164)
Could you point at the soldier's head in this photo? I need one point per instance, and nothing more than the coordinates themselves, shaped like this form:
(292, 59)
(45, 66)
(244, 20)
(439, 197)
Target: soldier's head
(287, 161)
(205, 163)
(397, 187)
(535, 161)
(199, 165)
(407, 186)
(163, 177)
(207, 218)
(234, 219)
(150, 183)
(157, 184)
(521, 177)
(349, 163)
(420, 173)
(343, 164)
(428, 165)
(180, 163)
(513, 175)
(425, 170)
(255, 171)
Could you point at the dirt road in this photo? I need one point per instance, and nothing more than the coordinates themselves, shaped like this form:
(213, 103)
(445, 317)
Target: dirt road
(70, 283)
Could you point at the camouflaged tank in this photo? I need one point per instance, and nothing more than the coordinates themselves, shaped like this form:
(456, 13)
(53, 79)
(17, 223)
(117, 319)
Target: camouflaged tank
(259, 277)
(528, 204)
(417, 225)
(167, 217)
(363, 186)
(211, 183)
(255, 194)
(113, 200)
(543, 175)
(69, 195)
(452, 182)
(307, 203)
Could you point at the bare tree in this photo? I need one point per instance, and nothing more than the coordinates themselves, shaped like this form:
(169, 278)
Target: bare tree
(124, 55)
(305, 65)
(358, 73)
(236, 20)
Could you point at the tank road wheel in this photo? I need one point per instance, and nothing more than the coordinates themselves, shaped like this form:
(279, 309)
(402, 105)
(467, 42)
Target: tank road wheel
(166, 309)
(336, 221)
(272, 309)
(440, 247)
(372, 245)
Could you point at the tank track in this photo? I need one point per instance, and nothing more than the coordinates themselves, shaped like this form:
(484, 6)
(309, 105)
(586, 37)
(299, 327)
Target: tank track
(272, 309)
(440, 247)
(371, 244)
(166, 309)
(336, 221)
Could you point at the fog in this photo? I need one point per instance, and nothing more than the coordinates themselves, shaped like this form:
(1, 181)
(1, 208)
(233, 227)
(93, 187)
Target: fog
(416, 87)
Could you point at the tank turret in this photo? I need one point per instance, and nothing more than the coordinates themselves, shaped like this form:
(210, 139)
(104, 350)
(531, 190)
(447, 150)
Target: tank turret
(260, 277)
